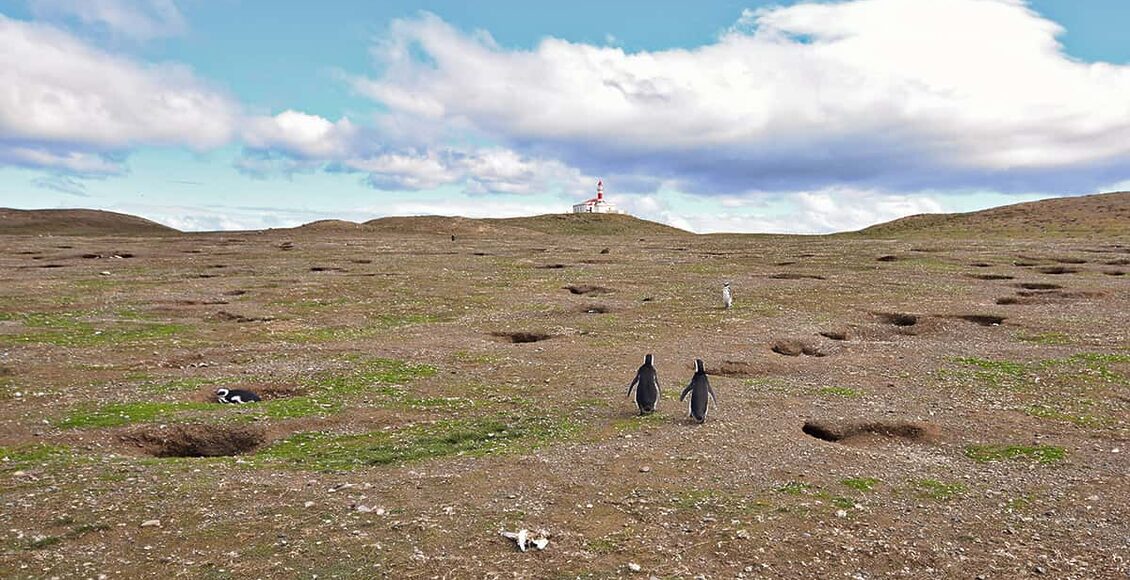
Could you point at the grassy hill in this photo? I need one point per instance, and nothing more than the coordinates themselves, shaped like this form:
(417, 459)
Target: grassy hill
(590, 224)
(1101, 215)
(77, 222)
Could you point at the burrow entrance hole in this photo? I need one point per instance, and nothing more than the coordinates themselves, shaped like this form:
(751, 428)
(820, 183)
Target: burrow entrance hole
(1038, 286)
(521, 337)
(196, 440)
(898, 319)
(583, 289)
(982, 319)
(848, 432)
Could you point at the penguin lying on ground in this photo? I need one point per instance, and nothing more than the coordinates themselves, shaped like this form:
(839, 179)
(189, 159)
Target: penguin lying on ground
(700, 390)
(236, 396)
(647, 386)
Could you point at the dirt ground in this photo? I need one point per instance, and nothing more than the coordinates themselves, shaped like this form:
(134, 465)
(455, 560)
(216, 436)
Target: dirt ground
(887, 408)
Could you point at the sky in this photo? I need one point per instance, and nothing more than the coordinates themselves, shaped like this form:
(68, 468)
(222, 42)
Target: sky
(784, 117)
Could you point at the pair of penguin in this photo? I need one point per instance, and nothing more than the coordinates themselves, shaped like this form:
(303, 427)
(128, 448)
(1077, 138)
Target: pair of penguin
(646, 384)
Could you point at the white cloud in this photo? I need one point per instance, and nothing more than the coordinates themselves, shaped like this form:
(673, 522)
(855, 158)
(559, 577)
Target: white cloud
(301, 134)
(141, 19)
(65, 104)
(844, 90)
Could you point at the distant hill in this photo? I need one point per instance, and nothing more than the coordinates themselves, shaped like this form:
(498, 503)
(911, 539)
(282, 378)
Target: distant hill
(1105, 214)
(437, 225)
(77, 222)
(590, 224)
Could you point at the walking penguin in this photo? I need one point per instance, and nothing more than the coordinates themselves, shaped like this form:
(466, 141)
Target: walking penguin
(646, 384)
(727, 299)
(700, 390)
(236, 396)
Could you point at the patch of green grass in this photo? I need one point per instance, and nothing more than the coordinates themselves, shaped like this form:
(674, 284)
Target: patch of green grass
(36, 453)
(1046, 338)
(794, 488)
(43, 542)
(295, 407)
(1077, 372)
(75, 329)
(1046, 454)
(860, 483)
(480, 436)
(370, 374)
(637, 422)
(937, 490)
(610, 543)
(844, 392)
(842, 502)
(116, 414)
(1055, 414)
(768, 385)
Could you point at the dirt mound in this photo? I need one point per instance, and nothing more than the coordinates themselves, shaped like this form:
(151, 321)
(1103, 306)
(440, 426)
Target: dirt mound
(837, 334)
(1099, 215)
(857, 432)
(78, 222)
(795, 347)
(195, 440)
(734, 368)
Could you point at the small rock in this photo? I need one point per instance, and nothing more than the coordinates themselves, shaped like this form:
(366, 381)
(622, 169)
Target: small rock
(841, 513)
(308, 504)
(645, 469)
(151, 524)
(380, 511)
(634, 567)
(104, 273)
(743, 535)
(364, 509)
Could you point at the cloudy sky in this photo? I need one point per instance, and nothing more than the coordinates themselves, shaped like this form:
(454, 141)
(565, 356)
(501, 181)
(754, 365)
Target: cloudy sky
(711, 116)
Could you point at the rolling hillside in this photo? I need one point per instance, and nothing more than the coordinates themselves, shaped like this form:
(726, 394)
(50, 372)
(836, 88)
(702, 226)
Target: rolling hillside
(78, 222)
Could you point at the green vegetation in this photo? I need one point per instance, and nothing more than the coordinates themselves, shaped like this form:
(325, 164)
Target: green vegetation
(860, 483)
(175, 385)
(116, 414)
(1045, 454)
(844, 392)
(1055, 414)
(319, 451)
(937, 490)
(295, 407)
(24, 454)
(76, 329)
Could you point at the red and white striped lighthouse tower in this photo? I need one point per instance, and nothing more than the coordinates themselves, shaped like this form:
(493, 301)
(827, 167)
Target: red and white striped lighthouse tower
(597, 204)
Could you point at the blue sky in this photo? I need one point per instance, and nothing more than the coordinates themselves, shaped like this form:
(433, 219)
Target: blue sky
(711, 116)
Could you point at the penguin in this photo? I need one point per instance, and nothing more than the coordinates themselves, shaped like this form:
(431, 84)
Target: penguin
(699, 388)
(727, 299)
(236, 396)
(646, 384)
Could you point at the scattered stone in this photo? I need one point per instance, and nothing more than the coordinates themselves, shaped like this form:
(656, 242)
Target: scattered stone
(308, 504)
(634, 567)
(151, 524)
(645, 469)
(104, 273)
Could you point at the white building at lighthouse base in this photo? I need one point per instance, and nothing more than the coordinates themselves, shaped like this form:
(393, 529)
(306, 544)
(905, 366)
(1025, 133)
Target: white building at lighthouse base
(597, 204)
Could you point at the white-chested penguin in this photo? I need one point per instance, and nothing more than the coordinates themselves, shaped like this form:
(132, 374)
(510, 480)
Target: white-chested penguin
(646, 384)
(236, 396)
(727, 299)
(700, 391)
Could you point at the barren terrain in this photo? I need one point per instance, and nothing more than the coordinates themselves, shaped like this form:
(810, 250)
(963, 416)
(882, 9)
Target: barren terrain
(913, 406)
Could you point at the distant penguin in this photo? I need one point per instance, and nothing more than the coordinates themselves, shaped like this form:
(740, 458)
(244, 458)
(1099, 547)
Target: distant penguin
(727, 299)
(646, 384)
(236, 396)
(700, 390)
(453, 237)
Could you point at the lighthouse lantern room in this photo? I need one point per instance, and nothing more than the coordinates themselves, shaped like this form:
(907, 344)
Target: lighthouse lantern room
(597, 204)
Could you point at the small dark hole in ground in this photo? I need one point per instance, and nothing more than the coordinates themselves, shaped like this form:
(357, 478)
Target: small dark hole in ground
(1118, 262)
(90, 256)
(793, 276)
(990, 276)
(899, 319)
(480, 254)
(522, 337)
(1114, 272)
(597, 309)
(1071, 260)
(1038, 286)
(551, 266)
(583, 289)
(1008, 300)
(327, 269)
(1058, 270)
(981, 265)
(982, 319)
(887, 258)
(845, 431)
(53, 266)
(235, 292)
(196, 440)
(362, 261)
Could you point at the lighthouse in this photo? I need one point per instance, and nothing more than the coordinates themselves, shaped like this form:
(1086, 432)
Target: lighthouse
(597, 204)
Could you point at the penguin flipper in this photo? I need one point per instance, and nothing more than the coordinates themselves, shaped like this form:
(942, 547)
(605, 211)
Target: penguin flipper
(711, 391)
(686, 390)
(633, 384)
